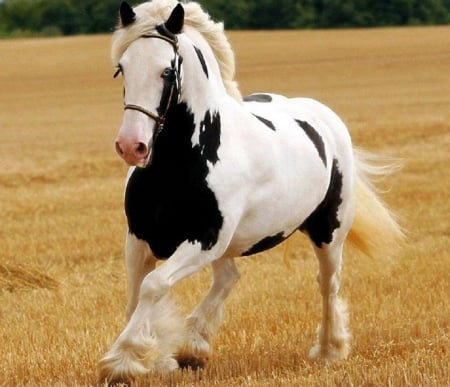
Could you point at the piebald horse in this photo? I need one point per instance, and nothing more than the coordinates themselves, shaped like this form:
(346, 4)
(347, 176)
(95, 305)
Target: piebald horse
(216, 176)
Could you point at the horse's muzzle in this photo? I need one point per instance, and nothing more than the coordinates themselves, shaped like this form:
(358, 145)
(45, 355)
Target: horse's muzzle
(134, 153)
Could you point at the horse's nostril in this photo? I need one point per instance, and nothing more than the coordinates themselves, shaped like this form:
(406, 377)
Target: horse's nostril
(133, 153)
(142, 149)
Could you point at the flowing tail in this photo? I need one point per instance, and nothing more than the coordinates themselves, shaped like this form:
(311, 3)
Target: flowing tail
(374, 231)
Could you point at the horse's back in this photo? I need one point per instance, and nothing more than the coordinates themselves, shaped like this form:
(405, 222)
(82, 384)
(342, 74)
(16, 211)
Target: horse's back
(319, 117)
(307, 123)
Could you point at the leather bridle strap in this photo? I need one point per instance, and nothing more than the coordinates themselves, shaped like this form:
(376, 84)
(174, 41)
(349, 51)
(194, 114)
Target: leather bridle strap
(159, 117)
(172, 40)
(138, 108)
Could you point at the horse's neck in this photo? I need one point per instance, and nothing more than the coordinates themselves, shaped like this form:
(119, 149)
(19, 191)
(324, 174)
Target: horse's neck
(203, 88)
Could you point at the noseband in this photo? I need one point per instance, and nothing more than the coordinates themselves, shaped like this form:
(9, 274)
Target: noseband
(172, 83)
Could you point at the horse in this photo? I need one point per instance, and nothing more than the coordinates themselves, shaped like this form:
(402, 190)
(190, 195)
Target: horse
(214, 176)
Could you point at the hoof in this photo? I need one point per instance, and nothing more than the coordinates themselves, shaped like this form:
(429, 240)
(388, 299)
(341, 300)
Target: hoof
(191, 362)
(330, 353)
(123, 371)
(118, 368)
(105, 377)
(112, 378)
(195, 351)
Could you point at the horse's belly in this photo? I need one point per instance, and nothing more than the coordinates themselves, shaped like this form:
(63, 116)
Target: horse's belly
(279, 206)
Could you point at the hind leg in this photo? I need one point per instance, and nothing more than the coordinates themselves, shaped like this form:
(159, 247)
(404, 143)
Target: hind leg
(333, 341)
(327, 227)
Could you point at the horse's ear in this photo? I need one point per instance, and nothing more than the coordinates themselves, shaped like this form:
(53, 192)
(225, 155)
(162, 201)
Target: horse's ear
(174, 23)
(127, 15)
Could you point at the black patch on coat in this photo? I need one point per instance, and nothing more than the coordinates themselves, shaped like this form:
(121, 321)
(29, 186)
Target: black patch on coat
(210, 136)
(202, 61)
(265, 244)
(258, 98)
(266, 122)
(169, 201)
(315, 138)
(324, 219)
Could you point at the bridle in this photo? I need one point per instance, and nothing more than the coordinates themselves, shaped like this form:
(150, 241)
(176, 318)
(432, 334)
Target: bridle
(172, 82)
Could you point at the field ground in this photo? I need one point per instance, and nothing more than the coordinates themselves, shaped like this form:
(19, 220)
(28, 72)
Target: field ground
(62, 276)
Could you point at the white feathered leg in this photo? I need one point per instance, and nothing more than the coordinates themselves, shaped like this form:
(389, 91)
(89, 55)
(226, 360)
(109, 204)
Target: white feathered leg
(204, 322)
(333, 341)
(154, 333)
(147, 344)
(139, 261)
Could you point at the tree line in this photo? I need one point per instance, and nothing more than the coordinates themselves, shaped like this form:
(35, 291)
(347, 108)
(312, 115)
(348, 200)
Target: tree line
(68, 17)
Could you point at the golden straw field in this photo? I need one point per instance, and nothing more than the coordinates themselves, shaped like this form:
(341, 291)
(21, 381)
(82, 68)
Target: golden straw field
(62, 227)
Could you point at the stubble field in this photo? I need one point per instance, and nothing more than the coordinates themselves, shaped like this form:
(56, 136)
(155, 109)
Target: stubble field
(62, 276)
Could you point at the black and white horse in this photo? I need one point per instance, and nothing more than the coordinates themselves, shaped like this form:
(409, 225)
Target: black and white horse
(214, 177)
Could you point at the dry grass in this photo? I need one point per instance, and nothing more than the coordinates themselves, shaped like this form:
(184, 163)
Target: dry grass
(62, 279)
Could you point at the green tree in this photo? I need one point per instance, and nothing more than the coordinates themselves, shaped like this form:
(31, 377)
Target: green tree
(431, 12)
(93, 16)
(21, 15)
(234, 14)
(332, 13)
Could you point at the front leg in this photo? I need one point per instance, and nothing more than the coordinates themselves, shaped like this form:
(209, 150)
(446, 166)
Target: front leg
(139, 262)
(203, 323)
(154, 332)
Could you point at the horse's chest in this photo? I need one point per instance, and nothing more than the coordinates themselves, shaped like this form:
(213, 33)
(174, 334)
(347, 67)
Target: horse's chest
(167, 207)
(170, 202)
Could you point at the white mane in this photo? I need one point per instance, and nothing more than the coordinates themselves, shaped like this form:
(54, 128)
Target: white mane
(153, 13)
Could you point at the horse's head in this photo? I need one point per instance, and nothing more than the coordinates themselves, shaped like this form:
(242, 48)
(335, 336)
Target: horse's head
(151, 69)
